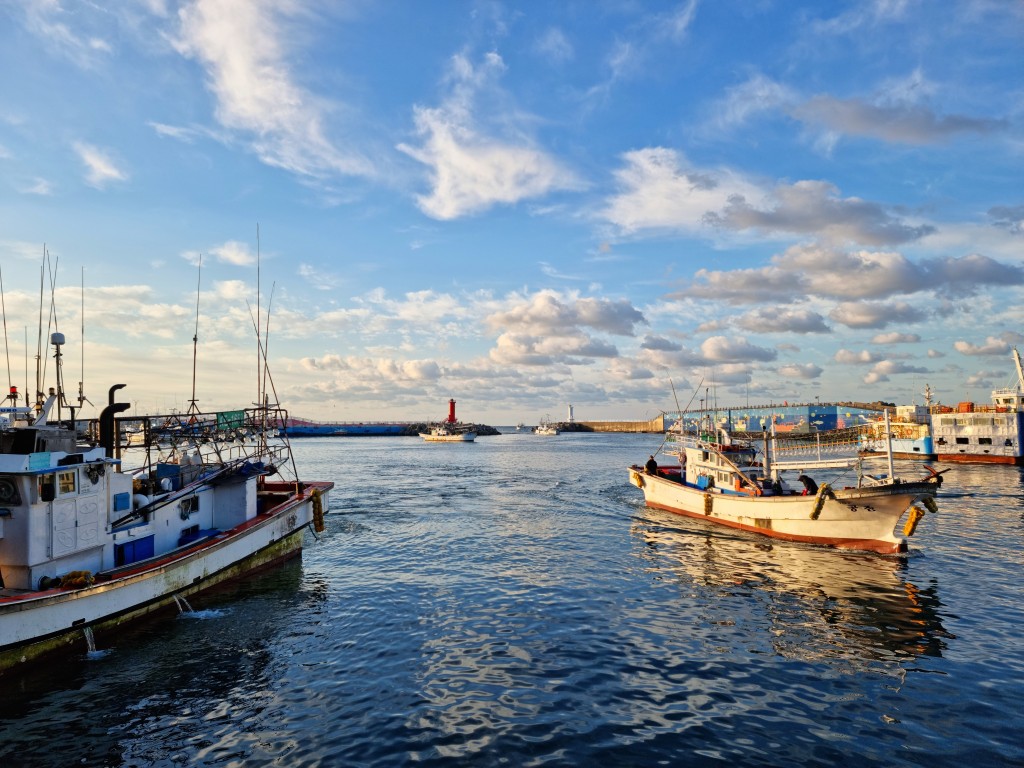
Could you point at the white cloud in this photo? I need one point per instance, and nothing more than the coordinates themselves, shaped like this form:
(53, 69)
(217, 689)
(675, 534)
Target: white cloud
(471, 170)
(659, 190)
(243, 46)
(992, 346)
(234, 252)
(100, 167)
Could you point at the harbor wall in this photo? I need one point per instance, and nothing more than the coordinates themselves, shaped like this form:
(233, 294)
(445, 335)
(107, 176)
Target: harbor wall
(657, 424)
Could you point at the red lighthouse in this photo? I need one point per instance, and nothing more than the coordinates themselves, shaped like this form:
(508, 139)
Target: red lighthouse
(451, 411)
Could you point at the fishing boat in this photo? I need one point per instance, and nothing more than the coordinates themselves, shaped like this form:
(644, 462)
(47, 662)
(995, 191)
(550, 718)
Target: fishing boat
(95, 533)
(450, 430)
(984, 434)
(909, 436)
(546, 428)
(733, 483)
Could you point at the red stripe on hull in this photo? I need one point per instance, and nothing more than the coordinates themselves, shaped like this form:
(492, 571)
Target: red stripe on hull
(870, 545)
(980, 458)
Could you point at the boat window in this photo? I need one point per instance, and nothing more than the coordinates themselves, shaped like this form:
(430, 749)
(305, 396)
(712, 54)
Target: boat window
(984, 441)
(1008, 443)
(66, 481)
(963, 441)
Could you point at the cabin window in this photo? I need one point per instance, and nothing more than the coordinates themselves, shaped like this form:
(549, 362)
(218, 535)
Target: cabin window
(66, 482)
(1008, 443)
(984, 441)
(963, 441)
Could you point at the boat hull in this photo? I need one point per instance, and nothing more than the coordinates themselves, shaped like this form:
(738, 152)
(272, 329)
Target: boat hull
(465, 437)
(851, 518)
(37, 624)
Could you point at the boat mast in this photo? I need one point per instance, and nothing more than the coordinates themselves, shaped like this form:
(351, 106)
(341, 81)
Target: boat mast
(1020, 370)
(192, 407)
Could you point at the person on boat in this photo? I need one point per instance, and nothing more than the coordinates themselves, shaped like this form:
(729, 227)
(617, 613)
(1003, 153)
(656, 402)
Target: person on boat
(810, 487)
(651, 467)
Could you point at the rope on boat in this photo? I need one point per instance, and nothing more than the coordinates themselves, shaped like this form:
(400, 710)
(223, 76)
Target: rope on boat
(318, 511)
(916, 513)
(824, 492)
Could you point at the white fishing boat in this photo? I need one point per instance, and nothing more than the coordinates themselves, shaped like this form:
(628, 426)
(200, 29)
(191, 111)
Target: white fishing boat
(909, 436)
(546, 428)
(732, 483)
(94, 534)
(450, 430)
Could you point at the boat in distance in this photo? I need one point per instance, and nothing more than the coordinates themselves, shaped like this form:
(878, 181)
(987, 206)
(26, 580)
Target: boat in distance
(724, 481)
(450, 430)
(94, 534)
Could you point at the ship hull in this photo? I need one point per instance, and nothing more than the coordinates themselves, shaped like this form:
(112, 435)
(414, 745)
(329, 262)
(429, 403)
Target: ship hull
(851, 518)
(34, 625)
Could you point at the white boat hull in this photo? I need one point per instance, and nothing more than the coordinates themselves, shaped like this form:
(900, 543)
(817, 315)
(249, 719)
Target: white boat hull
(38, 623)
(464, 437)
(856, 518)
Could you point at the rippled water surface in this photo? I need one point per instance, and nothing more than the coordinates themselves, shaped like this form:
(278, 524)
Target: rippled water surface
(511, 602)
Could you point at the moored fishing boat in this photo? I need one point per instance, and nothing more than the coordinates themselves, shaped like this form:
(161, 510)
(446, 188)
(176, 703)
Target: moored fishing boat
(909, 437)
(450, 430)
(984, 434)
(94, 534)
(732, 483)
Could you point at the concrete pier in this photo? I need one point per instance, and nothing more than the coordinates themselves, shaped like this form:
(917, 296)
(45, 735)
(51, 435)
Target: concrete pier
(657, 424)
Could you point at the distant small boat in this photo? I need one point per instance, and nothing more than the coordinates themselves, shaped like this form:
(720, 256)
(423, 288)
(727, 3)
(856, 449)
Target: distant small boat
(520, 427)
(444, 434)
(546, 428)
(450, 430)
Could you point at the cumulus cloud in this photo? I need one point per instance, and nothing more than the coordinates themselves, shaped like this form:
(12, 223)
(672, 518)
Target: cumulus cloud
(886, 368)
(992, 346)
(850, 357)
(814, 207)
(471, 169)
(823, 271)
(101, 169)
(782, 320)
(659, 190)
(242, 44)
(904, 123)
(547, 313)
(733, 350)
(234, 252)
(896, 338)
(868, 314)
(660, 343)
(965, 275)
(548, 327)
(806, 371)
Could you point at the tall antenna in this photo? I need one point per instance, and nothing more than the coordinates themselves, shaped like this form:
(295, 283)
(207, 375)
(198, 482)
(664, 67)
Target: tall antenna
(3, 305)
(192, 407)
(259, 361)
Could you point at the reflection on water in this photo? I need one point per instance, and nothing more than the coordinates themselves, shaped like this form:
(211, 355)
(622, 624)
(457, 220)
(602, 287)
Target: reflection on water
(818, 602)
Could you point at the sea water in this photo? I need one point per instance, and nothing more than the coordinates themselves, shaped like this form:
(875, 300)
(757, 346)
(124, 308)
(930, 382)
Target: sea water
(512, 602)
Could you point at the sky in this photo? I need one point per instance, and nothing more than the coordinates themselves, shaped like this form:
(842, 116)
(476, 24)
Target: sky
(518, 205)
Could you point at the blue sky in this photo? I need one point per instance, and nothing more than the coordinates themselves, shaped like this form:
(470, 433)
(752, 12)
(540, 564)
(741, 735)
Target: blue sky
(518, 205)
